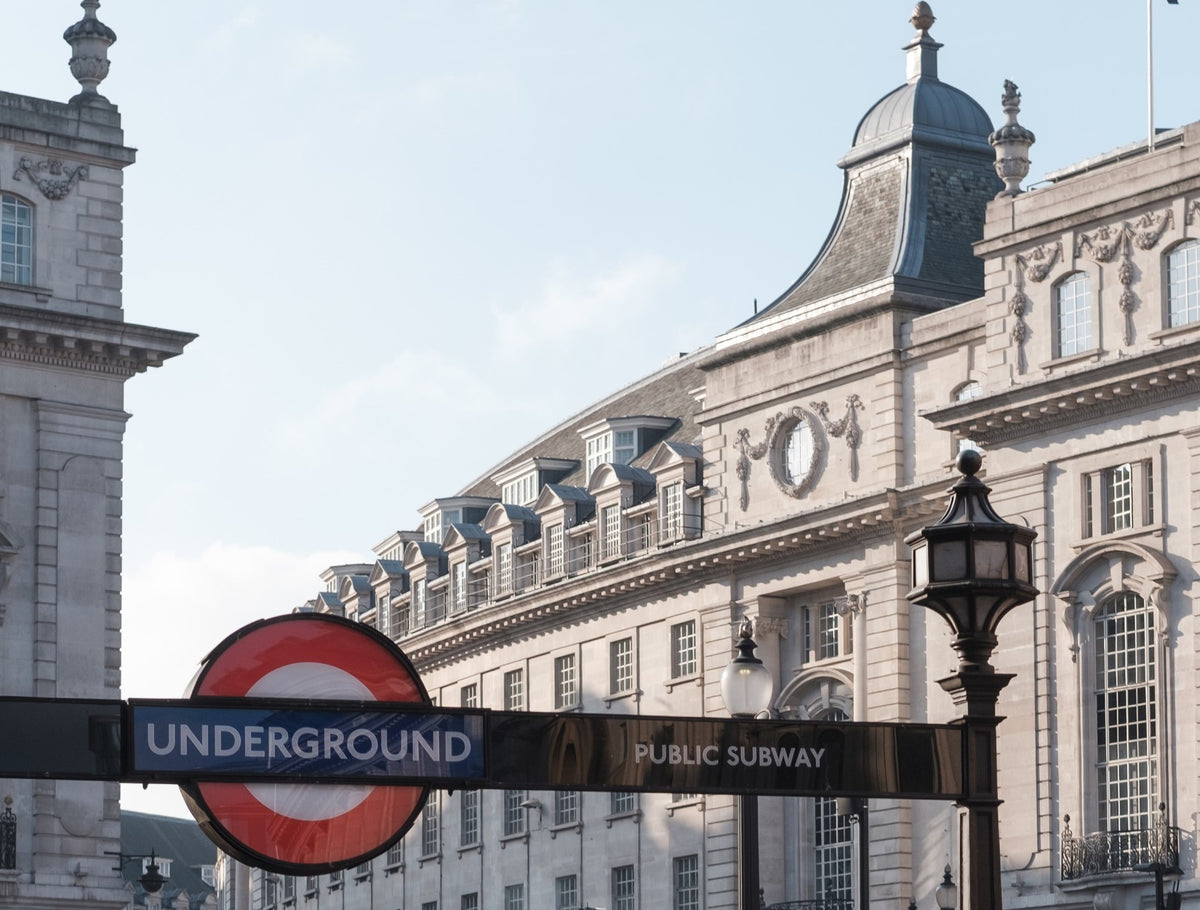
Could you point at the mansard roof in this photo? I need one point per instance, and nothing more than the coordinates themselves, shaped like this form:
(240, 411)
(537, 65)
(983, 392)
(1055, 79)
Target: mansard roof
(907, 221)
(604, 476)
(385, 569)
(668, 391)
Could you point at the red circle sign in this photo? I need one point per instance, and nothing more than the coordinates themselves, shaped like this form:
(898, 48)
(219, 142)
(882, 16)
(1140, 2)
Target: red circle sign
(306, 828)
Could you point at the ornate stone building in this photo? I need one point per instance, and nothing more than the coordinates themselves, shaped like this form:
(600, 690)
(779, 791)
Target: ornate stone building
(66, 354)
(774, 474)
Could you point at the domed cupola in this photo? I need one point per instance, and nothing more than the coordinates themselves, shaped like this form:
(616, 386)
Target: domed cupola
(917, 182)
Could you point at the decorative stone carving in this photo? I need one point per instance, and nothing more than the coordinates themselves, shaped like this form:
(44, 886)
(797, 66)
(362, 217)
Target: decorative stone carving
(846, 427)
(1190, 211)
(776, 434)
(1037, 263)
(1020, 329)
(90, 40)
(772, 625)
(850, 604)
(51, 176)
(1107, 242)
(1011, 143)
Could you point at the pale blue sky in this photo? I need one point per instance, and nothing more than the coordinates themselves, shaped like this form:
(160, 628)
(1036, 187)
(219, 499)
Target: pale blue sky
(412, 235)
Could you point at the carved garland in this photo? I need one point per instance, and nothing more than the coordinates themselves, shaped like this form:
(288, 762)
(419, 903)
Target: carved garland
(775, 432)
(845, 427)
(60, 180)
(1105, 243)
(1034, 267)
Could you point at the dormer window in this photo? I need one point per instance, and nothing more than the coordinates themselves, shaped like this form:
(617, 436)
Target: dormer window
(621, 440)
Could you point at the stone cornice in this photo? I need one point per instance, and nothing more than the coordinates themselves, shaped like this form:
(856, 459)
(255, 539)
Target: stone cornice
(84, 342)
(1109, 387)
(626, 584)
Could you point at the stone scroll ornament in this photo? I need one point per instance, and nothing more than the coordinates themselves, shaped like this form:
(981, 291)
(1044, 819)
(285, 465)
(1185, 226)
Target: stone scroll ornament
(844, 428)
(51, 176)
(746, 451)
(1034, 266)
(1106, 243)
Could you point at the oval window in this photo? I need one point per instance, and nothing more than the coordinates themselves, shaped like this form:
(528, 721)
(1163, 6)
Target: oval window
(798, 453)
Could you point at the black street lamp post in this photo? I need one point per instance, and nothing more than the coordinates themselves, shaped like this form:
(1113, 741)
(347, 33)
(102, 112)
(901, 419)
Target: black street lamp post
(971, 568)
(746, 687)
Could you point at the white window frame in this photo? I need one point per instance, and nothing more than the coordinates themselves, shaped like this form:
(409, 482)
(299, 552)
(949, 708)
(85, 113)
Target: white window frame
(468, 818)
(1183, 284)
(1074, 315)
(610, 532)
(622, 666)
(566, 681)
(685, 883)
(1119, 498)
(513, 821)
(566, 892)
(16, 240)
(566, 808)
(685, 649)
(514, 896)
(555, 550)
(514, 689)
(624, 887)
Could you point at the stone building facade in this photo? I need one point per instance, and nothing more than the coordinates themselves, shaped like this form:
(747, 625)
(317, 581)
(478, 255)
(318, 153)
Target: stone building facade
(66, 354)
(775, 474)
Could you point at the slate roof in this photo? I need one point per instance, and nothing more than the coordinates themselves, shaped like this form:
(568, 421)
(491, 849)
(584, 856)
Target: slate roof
(665, 393)
(906, 223)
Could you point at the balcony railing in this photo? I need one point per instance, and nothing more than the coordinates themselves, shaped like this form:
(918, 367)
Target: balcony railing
(1119, 851)
(819, 903)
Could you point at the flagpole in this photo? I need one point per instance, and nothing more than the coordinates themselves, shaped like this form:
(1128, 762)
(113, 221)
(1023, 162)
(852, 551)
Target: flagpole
(1150, 75)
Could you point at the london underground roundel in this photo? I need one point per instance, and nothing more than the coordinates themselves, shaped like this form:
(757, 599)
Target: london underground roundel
(306, 828)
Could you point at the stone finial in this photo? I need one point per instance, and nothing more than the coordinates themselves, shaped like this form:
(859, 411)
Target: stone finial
(1011, 143)
(89, 39)
(922, 17)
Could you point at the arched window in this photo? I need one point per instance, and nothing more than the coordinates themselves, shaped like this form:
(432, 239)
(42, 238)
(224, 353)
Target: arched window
(1183, 284)
(833, 843)
(968, 391)
(16, 240)
(1073, 316)
(1126, 692)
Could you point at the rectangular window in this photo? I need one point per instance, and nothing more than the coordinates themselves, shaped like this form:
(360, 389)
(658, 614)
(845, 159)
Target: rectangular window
(395, 855)
(554, 551)
(383, 612)
(514, 814)
(468, 818)
(1183, 283)
(402, 619)
(504, 569)
(429, 905)
(622, 802)
(514, 690)
(672, 512)
(566, 694)
(683, 649)
(833, 843)
(514, 897)
(1126, 700)
(599, 451)
(610, 532)
(1073, 314)
(624, 896)
(828, 629)
(685, 881)
(566, 807)
(566, 893)
(468, 696)
(469, 901)
(620, 666)
(16, 240)
(458, 586)
(430, 843)
(625, 448)
(419, 602)
(1118, 498)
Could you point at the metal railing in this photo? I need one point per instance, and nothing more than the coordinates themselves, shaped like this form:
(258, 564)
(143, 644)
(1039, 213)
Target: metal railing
(1104, 852)
(819, 903)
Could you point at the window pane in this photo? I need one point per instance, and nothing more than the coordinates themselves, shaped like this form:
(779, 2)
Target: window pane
(1183, 283)
(623, 888)
(620, 665)
(514, 690)
(1073, 314)
(686, 883)
(1126, 715)
(683, 649)
(565, 695)
(16, 241)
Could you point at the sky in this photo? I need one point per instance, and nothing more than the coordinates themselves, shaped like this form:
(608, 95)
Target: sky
(412, 235)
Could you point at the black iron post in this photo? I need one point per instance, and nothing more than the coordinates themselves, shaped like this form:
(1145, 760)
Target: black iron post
(971, 568)
(746, 687)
